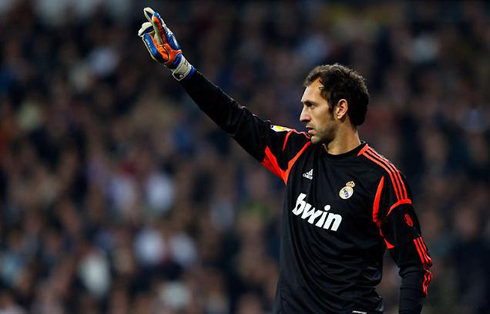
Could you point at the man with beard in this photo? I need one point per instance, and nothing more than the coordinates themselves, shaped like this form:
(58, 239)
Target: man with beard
(345, 203)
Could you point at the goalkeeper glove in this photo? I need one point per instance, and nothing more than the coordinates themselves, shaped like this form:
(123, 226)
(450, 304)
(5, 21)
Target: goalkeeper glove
(162, 45)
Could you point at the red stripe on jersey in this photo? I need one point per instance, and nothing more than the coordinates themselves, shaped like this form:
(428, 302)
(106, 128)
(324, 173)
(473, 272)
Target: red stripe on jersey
(388, 244)
(424, 250)
(403, 190)
(426, 262)
(287, 137)
(363, 150)
(419, 250)
(428, 257)
(400, 202)
(425, 283)
(376, 220)
(270, 162)
(377, 198)
(286, 140)
(395, 171)
(292, 161)
(376, 161)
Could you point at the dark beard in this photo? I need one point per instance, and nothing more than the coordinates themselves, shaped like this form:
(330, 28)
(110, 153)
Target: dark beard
(330, 134)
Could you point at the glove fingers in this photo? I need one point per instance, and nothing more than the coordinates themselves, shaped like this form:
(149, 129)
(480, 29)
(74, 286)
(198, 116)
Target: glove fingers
(160, 28)
(148, 48)
(148, 12)
(165, 32)
(171, 39)
(155, 19)
(146, 28)
(162, 33)
(159, 40)
(152, 47)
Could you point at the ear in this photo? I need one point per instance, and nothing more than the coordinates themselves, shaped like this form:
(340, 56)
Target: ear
(340, 111)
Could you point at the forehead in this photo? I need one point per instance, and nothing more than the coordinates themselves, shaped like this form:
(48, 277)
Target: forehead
(313, 92)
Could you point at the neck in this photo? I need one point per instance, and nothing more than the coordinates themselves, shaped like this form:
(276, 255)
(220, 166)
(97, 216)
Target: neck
(344, 141)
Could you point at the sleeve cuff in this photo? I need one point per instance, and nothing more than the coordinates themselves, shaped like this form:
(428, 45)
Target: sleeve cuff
(183, 70)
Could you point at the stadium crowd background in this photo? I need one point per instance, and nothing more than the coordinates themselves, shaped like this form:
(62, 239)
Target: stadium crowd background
(119, 196)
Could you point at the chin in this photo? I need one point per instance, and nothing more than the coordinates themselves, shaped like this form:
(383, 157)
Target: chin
(319, 140)
(315, 140)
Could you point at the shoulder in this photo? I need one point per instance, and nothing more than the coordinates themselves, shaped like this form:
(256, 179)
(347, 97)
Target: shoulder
(380, 164)
(384, 168)
(291, 137)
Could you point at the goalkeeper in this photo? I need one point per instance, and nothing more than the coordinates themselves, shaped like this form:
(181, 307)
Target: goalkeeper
(345, 204)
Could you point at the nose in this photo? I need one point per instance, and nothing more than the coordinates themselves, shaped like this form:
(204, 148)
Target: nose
(304, 116)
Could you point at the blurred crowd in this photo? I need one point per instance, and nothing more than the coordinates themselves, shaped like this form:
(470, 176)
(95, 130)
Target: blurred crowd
(117, 195)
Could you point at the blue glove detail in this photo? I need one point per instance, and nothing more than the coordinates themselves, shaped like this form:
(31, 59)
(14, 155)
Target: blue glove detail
(163, 46)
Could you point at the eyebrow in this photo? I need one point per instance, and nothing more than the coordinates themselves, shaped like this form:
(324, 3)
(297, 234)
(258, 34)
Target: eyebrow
(309, 102)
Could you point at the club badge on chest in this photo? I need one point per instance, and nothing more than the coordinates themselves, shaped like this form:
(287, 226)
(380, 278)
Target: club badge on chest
(347, 191)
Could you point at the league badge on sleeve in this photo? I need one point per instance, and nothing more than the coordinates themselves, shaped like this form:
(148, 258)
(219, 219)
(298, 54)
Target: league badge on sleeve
(278, 128)
(347, 191)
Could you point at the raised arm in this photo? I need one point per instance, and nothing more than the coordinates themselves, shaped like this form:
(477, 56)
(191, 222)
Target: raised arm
(275, 147)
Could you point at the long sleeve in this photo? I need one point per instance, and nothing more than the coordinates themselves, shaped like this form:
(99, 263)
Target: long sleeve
(275, 147)
(401, 231)
(411, 255)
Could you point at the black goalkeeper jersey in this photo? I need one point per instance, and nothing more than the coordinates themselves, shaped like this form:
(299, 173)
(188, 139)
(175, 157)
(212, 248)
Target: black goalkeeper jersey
(340, 214)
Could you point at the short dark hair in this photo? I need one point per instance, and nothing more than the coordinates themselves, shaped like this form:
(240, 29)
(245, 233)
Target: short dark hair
(340, 82)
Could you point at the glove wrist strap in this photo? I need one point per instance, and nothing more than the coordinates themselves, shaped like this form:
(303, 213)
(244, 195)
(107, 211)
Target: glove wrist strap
(182, 70)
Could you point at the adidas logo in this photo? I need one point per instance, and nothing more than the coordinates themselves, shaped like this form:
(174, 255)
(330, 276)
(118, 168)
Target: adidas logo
(308, 175)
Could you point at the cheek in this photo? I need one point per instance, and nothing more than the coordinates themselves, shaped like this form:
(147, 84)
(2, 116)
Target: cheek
(326, 129)
(323, 116)
(322, 122)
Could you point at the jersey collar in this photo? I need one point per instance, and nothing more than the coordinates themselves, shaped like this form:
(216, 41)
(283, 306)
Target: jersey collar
(352, 153)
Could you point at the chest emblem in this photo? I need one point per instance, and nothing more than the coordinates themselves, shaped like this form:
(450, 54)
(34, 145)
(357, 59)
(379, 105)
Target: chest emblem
(347, 191)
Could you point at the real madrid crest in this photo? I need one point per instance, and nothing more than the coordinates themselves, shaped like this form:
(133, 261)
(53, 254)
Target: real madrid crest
(347, 191)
